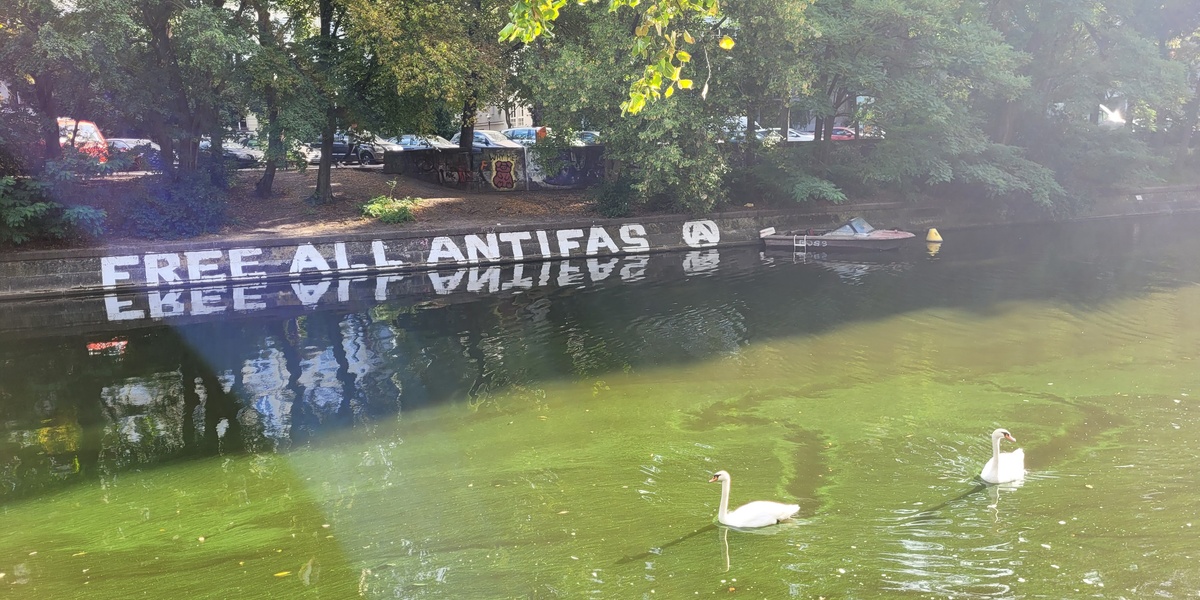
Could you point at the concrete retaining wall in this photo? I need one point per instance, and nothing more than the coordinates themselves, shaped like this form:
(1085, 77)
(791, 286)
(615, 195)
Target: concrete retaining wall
(226, 263)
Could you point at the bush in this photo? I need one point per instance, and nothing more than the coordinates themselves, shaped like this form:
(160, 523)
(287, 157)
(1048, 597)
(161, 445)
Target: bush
(176, 209)
(614, 198)
(390, 209)
(26, 214)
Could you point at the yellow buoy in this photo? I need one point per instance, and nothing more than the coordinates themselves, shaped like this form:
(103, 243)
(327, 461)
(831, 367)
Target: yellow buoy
(933, 235)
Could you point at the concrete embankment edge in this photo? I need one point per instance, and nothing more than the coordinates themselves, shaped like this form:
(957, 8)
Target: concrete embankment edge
(161, 265)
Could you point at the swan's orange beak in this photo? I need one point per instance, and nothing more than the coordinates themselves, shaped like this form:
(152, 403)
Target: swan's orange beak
(714, 478)
(1009, 437)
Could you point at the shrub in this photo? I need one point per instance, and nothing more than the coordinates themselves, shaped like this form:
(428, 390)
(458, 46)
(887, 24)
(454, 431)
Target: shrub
(390, 209)
(26, 214)
(614, 198)
(186, 207)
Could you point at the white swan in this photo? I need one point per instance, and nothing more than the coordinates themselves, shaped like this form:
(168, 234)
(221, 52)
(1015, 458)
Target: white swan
(1004, 466)
(755, 514)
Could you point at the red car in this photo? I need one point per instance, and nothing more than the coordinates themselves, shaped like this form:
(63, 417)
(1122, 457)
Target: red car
(85, 136)
(842, 133)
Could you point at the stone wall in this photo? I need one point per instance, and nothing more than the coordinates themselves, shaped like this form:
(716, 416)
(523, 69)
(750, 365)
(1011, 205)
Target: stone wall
(208, 264)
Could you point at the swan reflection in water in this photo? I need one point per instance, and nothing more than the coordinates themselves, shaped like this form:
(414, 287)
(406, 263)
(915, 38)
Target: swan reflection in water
(723, 534)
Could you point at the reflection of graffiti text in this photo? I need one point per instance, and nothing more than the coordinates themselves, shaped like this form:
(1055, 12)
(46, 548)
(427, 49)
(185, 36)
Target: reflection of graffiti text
(248, 297)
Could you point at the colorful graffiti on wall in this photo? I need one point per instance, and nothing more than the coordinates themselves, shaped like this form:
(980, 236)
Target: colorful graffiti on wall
(504, 172)
(580, 168)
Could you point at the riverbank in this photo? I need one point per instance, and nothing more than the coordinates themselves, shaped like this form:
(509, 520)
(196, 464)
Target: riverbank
(288, 213)
(283, 239)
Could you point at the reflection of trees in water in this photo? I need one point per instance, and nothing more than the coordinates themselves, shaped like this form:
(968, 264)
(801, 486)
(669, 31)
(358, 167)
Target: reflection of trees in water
(203, 389)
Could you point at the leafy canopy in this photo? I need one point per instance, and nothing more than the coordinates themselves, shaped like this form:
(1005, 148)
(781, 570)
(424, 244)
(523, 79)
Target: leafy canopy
(659, 45)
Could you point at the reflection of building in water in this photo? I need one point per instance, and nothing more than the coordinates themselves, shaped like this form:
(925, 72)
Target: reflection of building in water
(145, 416)
(265, 390)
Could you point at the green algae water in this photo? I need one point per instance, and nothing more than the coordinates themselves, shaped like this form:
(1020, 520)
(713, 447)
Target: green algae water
(556, 441)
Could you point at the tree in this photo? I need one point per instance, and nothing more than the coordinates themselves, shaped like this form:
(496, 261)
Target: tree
(655, 41)
(670, 148)
(44, 55)
(436, 53)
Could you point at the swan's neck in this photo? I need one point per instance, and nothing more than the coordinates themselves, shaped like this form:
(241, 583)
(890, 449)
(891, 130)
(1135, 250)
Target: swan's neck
(724, 508)
(996, 452)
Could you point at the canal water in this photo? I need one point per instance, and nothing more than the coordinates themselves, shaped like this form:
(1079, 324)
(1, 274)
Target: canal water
(550, 433)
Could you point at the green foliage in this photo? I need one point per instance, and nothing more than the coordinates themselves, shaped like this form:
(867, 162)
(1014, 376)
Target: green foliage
(173, 209)
(27, 215)
(808, 188)
(679, 164)
(667, 153)
(998, 99)
(390, 209)
(655, 42)
(615, 198)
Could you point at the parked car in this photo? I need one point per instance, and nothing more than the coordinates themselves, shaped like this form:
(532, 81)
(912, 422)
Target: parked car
(488, 138)
(365, 150)
(586, 138)
(423, 142)
(240, 154)
(295, 149)
(310, 153)
(370, 150)
(526, 136)
(143, 154)
(796, 136)
(84, 136)
(842, 133)
(762, 134)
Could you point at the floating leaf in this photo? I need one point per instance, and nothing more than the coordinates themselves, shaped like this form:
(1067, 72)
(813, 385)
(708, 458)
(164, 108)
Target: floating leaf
(683, 56)
(726, 43)
(685, 84)
(283, 573)
(687, 37)
(670, 91)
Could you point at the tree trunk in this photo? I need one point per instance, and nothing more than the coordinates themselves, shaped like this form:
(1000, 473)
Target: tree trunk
(275, 150)
(276, 153)
(47, 107)
(217, 169)
(535, 113)
(324, 191)
(157, 18)
(466, 135)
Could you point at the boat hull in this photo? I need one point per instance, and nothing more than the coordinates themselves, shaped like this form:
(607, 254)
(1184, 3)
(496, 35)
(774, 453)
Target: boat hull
(878, 240)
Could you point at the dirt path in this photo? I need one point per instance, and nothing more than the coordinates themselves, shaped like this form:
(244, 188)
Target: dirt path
(288, 213)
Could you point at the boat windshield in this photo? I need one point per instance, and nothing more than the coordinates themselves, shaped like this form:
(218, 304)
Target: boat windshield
(855, 226)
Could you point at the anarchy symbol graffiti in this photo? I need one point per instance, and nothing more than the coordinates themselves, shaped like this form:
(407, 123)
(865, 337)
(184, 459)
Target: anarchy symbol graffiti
(701, 234)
